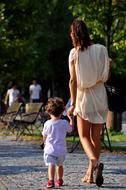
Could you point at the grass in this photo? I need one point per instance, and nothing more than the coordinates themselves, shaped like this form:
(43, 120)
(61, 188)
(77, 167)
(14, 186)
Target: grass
(33, 132)
(117, 139)
(114, 136)
(117, 136)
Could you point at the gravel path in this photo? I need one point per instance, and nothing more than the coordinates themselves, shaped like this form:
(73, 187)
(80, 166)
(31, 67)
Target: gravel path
(22, 168)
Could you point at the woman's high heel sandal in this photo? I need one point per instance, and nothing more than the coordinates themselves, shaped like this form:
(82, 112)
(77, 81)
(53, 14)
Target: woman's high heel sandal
(98, 174)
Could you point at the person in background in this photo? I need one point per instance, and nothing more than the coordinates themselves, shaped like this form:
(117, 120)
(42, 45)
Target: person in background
(12, 95)
(89, 67)
(35, 91)
(54, 137)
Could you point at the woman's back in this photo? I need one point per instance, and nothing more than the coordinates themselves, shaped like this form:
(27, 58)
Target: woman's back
(91, 65)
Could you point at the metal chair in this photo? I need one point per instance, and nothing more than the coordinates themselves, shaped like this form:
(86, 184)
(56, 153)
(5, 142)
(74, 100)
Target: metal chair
(9, 117)
(29, 118)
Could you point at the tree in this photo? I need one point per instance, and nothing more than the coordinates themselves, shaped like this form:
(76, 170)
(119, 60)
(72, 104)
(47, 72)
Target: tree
(105, 20)
(35, 43)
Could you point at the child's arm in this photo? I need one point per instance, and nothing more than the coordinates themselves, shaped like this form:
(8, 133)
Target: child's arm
(71, 118)
(43, 142)
(44, 133)
(44, 139)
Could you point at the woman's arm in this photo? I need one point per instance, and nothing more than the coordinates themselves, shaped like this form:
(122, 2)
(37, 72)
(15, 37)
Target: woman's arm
(110, 67)
(72, 87)
(72, 83)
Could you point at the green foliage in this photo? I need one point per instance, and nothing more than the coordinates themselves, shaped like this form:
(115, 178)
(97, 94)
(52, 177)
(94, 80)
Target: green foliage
(105, 20)
(35, 42)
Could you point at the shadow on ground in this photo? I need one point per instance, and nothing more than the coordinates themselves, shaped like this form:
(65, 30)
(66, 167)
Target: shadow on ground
(10, 170)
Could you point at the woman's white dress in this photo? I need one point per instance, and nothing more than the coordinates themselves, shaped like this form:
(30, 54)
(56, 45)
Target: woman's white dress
(92, 69)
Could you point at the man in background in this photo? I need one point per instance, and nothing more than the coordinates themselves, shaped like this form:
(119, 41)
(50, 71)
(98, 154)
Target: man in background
(35, 91)
(12, 95)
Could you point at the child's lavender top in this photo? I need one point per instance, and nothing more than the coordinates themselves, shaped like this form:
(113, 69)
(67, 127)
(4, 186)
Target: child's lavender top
(55, 131)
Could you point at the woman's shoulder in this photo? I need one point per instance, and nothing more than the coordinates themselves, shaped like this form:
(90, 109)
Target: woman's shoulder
(72, 54)
(98, 46)
(73, 50)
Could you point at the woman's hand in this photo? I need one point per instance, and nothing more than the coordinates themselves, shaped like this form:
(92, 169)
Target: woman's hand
(70, 111)
(70, 115)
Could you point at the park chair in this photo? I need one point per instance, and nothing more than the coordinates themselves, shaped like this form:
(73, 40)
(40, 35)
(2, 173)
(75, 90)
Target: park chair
(9, 117)
(107, 144)
(29, 118)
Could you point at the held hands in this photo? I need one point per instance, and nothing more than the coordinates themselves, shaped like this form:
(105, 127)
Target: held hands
(70, 115)
(70, 111)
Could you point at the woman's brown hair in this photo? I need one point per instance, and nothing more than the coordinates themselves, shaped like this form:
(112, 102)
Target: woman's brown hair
(79, 34)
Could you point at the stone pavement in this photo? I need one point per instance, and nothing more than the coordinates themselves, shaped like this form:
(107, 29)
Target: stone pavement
(22, 168)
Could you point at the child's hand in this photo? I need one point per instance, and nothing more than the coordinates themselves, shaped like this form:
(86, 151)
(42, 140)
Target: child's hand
(70, 111)
(71, 118)
(42, 145)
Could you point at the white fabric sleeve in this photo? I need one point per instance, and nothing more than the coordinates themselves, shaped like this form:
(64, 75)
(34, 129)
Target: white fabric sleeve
(45, 130)
(8, 92)
(72, 55)
(105, 60)
(30, 87)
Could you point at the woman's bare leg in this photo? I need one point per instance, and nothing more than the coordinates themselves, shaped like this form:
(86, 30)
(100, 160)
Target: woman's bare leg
(96, 138)
(84, 130)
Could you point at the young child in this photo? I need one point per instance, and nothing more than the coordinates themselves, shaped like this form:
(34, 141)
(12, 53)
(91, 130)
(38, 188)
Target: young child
(54, 136)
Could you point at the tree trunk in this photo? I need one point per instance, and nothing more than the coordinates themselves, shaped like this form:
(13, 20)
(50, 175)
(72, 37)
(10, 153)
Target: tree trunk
(117, 124)
(110, 120)
(114, 121)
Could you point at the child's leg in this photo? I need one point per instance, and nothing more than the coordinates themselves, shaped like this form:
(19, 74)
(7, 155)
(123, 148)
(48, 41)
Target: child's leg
(59, 171)
(51, 172)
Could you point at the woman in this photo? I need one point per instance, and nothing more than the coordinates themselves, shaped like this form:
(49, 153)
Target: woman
(89, 70)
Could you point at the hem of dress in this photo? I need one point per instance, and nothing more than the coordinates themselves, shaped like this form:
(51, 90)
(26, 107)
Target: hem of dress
(94, 122)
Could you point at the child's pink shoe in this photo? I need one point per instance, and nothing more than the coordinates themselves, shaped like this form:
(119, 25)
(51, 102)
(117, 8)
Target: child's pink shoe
(50, 184)
(59, 182)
